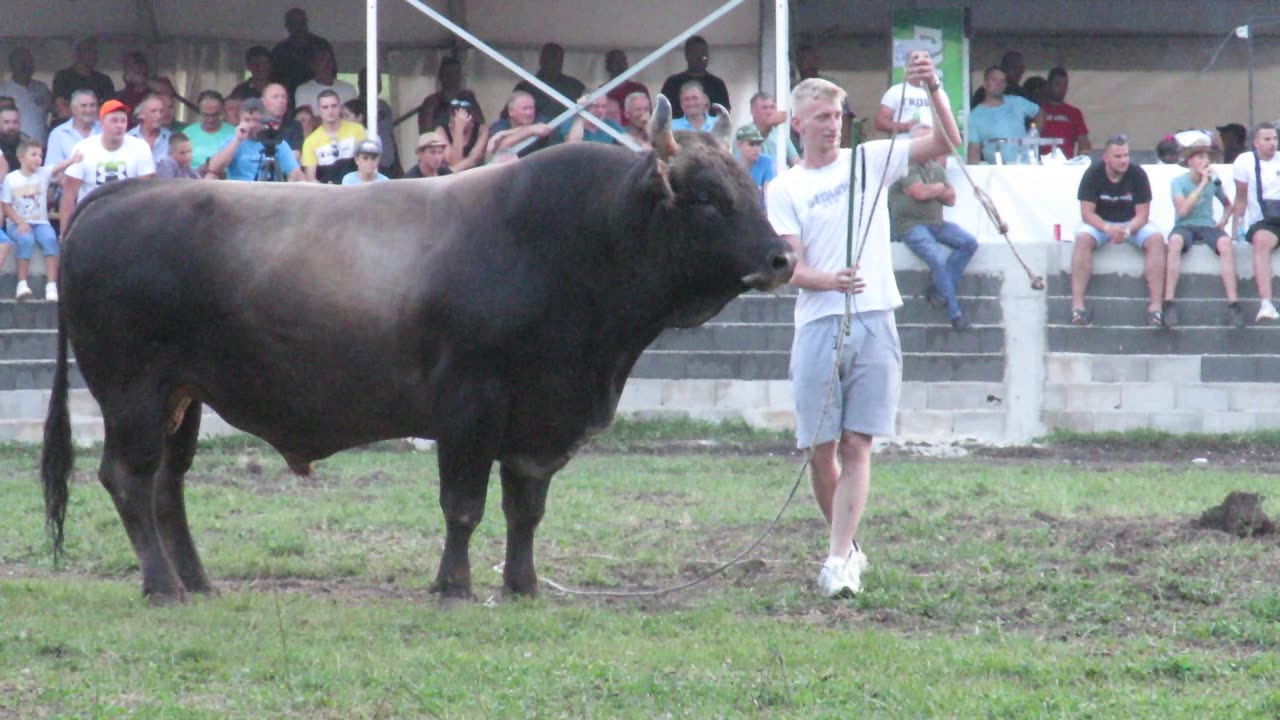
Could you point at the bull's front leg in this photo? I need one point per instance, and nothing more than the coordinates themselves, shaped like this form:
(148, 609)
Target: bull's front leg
(524, 499)
(464, 480)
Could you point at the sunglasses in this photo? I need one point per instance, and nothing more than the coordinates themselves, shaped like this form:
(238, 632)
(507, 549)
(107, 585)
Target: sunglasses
(1120, 139)
(460, 103)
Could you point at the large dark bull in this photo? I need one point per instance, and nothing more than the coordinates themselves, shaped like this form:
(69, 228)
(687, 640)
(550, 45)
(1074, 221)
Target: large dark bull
(498, 312)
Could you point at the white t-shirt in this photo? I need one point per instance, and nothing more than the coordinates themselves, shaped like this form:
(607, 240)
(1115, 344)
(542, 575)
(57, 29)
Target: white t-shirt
(914, 106)
(100, 166)
(814, 204)
(1243, 171)
(29, 196)
(308, 93)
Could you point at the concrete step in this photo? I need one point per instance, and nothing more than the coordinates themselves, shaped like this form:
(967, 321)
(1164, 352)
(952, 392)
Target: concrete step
(28, 314)
(1247, 369)
(762, 308)
(1112, 312)
(28, 344)
(33, 374)
(915, 282)
(1143, 340)
(777, 337)
(958, 425)
(950, 367)
(1175, 422)
(1135, 286)
(775, 365)
(1162, 396)
(921, 395)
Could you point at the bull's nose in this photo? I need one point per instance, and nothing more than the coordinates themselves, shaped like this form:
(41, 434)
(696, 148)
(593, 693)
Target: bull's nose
(783, 263)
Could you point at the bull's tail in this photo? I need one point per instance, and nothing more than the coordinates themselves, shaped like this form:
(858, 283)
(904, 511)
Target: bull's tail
(58, 455)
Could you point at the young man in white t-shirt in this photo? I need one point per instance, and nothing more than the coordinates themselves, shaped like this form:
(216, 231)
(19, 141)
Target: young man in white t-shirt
(898, 112)
(105, 158)
(25, 194)
(808, 206)
(1262, 234)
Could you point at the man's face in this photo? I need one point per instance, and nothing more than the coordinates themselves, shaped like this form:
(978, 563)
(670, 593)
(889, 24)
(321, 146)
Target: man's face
(612, 110)
(181, 154)
(994, 83)
(697, 55)
(1116, 158)
(168, 110)
(87, 53)
(1014, 67)
(818, 123)
(522, 111)
(750, 152)
(85, 109)
(295, 21)
(276, 99)
(551, 60)
(21, 63)
(367, 163)
(599, 107)
(231, 111)
(638, 112)
(10, 124)
(330, 109)
(693, 102)
(151, 114)
(210, 114)
(615, 62)
(254, 122)
(807, 63)
(114, 125)
(135, 71)
(1264, 141)
(451, 77)
(1058, 89)
(260, 67)
(431, 156)
(762, 110)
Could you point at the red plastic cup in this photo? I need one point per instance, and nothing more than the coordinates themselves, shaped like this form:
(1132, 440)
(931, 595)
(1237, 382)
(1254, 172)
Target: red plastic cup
(1057, 232)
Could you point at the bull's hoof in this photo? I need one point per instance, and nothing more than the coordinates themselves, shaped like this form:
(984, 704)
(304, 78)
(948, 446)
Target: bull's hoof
(166, 599)
(452, 595)
(521, 588)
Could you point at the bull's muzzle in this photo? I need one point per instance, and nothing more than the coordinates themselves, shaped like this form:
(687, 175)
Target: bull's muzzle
(781, 265)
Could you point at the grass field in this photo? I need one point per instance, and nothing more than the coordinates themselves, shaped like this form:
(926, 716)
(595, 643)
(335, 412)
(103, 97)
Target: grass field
(998, 588)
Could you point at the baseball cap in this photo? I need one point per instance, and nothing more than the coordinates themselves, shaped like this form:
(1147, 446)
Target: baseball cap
(252, 105)
(369, 147)
(749, 133)
(111, 106)
(427, 139)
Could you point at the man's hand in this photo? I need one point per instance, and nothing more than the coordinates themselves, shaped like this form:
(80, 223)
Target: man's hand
(777, 118)
(847, 281)
(23, 227)
(542, 130)
(244, 128)
(920, 70)
(458, 123)
(1117, 233)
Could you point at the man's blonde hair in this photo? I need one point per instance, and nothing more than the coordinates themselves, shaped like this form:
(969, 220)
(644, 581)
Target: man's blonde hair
(815, 89)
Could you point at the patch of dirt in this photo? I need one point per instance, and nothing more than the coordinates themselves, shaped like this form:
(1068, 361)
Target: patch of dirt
(1240, 515)
(1223, 454)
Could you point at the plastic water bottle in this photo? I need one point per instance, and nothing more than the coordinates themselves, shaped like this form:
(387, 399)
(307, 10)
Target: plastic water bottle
(1033, 145)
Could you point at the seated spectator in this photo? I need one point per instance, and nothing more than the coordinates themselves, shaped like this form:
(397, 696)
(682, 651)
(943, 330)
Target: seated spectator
(615, 63)
(231, 111)
(1033, 89)
(244, 157)
(169, 113)
(999, 117)
(366, 171)
(522, 122)
(177, 164)
(106, 158)
(81, 75)
(291, 57)
(151, 126)
(1233, 136)
(580, 130)
(26, 211)
(1167, 150)
(353, 111)
(257, 60)
(466, 131)
(138, 84)
(430, 152)
(697, 55)
(772, 124)
(434, 111)
(275, 100)
(1115, 207)
(612, 111)
(32, 97)
(324, 66)
(635, 116)
(748, 142)
(1257, 176)
(1013, 66)
(551, 72)
(1061, 119)
(1193, 196)
(306, 120)
(900, 111)
(695, 110)
(915, 216)
(83, 123)
(328, 154)
(10, 137)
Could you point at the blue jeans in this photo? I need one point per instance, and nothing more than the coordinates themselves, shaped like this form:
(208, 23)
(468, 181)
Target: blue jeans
(926, 241)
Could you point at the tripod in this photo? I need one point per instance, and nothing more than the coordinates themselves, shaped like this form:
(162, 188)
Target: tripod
(268, 168)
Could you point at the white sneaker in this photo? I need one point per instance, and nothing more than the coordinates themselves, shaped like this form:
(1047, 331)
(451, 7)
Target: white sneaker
(1267, 311)
(51, 292)
(23, 292)
(840, 579)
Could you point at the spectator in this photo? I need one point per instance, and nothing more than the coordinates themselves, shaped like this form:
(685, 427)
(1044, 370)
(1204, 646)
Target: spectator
(275, 102)
(257, 60)
(151, 127)
(615, 63)
(353, 111)
(915, 213)
(10, 137)
(231, 111)
(33, 98)
(807, 63)
(467, 133)
(328, 154)
(771, 123)
(206, 136)
(748, 142)
(82, 124)
(1257, 176)
(291, 57)
(1062, 120)
(1013, 66)
(243, 156)
(434, 111)
(522, 122)
(81, 74)
(1115, 207)
(582, 130)
(551, 72)
(697, 54)
(1233, 135)
(612, 111)
(999, 117)
(899, 111)
(1193, 196)
(1034, 89)
(168, 110)
(635, 117)
(324, 67)
(106, 158)
(306, 119)
(135, 73)
(366, 171)
(1167, 150)
(695, 110)
(26, 211)
(430, 152)
(177, 164)
(389, 162)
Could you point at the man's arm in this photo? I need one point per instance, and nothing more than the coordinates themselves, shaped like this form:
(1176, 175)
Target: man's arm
(808, 278)
(1238, 207)
(975, 153)
(1083, 145)
(1184, 204)
(57, 169)
(221, 160)
(1141, 214)
(67, 207)
(507, 138)
(296, 175)
(308, 173)
(946, 135)
(923, 191)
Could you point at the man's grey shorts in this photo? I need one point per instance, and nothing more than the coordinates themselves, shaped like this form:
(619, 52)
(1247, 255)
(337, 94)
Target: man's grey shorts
(864, 398)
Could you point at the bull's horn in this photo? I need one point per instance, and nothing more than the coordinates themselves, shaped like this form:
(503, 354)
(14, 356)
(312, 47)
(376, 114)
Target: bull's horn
(722, 130)
(664, 143)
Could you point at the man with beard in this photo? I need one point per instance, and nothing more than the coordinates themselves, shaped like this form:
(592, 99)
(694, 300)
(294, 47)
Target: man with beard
(10, 136)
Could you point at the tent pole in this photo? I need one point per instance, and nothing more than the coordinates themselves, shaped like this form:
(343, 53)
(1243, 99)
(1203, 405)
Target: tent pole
(371, 70)
(782, 73)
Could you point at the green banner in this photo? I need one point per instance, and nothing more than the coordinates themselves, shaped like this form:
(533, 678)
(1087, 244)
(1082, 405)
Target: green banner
(941, 33)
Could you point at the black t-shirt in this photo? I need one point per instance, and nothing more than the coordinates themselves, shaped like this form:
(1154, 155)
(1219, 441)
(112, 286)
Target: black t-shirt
(67, 81)
(416, 172)
(713, 86)
(11, 152)
(1115, 201)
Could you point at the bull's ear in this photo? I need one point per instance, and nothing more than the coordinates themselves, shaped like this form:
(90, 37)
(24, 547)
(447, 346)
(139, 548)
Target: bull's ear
(722, 130)
(655, 184)
(664, 143)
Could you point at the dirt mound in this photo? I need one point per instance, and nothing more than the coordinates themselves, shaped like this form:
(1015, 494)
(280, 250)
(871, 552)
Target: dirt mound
(1240, 514)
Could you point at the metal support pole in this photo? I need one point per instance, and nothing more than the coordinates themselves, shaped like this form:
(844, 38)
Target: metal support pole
(1249, 42)
(371, 70)
(782, 73)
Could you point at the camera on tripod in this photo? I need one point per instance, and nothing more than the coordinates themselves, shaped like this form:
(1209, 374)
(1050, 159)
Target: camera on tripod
(269, 136)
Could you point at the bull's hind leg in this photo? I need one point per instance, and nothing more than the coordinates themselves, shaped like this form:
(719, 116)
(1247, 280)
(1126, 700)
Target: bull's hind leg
(131, 455)
(464, 483)
(524, 499)
(170, 506)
